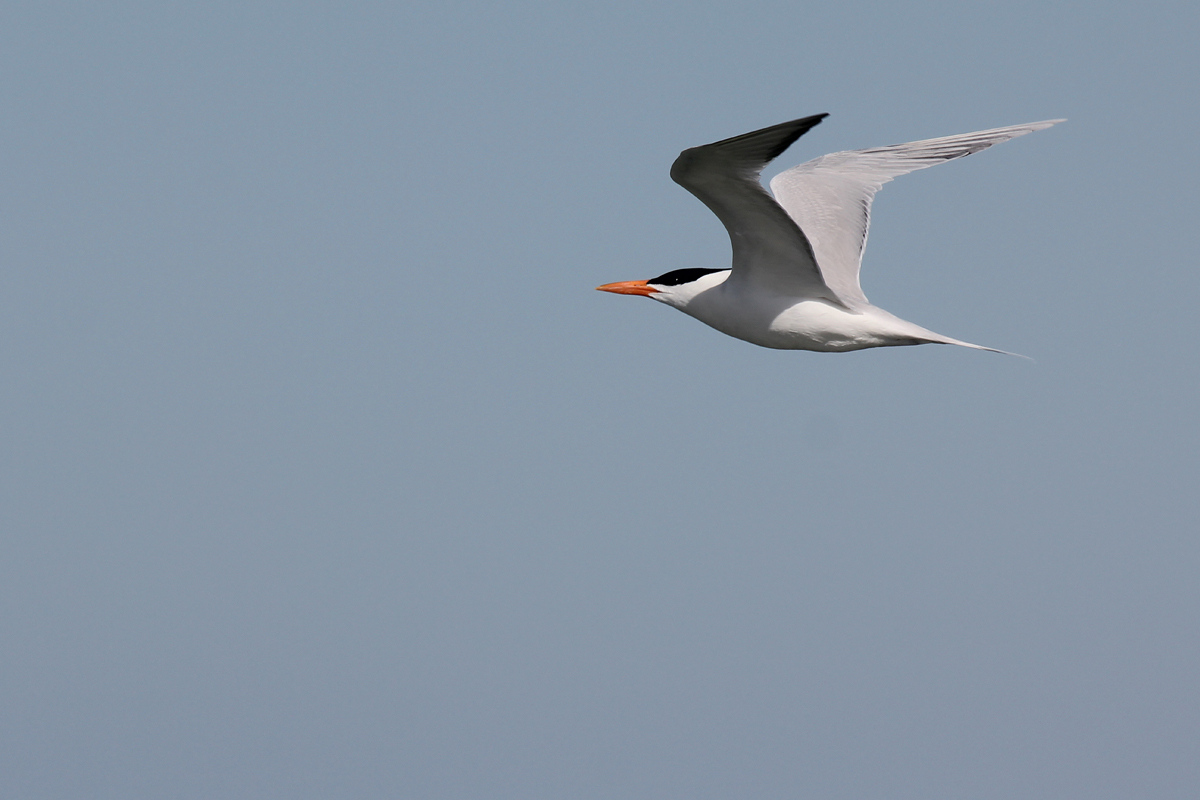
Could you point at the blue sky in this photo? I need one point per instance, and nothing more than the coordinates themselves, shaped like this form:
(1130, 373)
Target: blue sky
(327, 473)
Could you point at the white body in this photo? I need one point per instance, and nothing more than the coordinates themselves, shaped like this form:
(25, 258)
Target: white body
(784, 322)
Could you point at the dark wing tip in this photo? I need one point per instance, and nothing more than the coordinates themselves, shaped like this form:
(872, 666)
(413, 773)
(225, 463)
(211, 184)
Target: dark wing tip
(770, 142)
(791, 131)
(747, 152)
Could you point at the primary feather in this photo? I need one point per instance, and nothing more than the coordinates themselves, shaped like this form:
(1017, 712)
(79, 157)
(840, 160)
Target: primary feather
(829, 198)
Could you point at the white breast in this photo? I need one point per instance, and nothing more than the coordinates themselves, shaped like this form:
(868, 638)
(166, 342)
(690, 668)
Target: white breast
(792, 323)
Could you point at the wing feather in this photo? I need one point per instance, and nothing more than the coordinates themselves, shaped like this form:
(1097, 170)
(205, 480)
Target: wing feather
(829, 198)
(769, 247)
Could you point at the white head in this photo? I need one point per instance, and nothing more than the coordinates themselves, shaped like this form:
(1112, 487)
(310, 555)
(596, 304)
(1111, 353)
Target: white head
(676, 288)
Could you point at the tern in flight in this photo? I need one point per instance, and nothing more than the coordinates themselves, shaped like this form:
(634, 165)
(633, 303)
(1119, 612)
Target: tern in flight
(796, 257)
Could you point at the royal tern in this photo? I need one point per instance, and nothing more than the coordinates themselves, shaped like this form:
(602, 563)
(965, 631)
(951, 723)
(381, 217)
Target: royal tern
(796, 257)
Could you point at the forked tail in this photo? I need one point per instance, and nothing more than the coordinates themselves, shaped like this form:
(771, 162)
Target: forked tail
(960, 343)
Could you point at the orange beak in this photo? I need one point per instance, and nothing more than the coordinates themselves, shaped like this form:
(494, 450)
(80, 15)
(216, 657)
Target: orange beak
(628, 287)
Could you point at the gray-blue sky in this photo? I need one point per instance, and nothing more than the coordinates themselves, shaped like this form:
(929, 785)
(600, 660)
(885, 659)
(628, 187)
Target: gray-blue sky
(326, 473)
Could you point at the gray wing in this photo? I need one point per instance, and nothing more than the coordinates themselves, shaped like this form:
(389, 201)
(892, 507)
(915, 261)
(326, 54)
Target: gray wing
(769, 249)
(830, 197)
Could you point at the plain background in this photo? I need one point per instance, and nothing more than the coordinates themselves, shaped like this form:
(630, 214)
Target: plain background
(326, 473)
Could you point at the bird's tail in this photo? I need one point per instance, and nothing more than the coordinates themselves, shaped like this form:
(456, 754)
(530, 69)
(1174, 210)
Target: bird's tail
(947, 340)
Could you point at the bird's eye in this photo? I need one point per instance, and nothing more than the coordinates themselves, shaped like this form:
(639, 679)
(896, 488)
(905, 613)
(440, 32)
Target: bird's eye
(681, 276)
